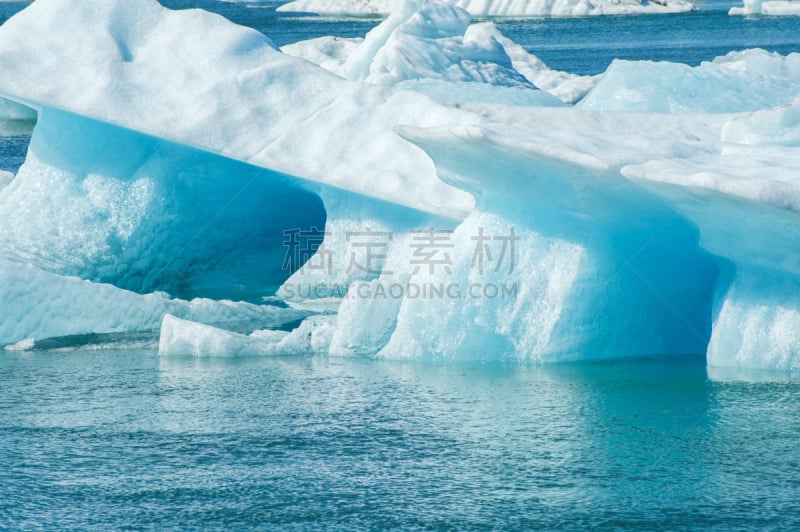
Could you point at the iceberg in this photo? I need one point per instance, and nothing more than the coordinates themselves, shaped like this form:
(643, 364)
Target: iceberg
(267, 98)
(188, 338)
(749, 80)
(586, 284)
(430, 40)
(567, 87)
(432, 48)
(487, 225)
(147, 215)
(496, 8)
(767, 7)
(771, 126)
(38, 305)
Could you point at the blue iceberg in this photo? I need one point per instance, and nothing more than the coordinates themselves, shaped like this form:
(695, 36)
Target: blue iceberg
(457, 208)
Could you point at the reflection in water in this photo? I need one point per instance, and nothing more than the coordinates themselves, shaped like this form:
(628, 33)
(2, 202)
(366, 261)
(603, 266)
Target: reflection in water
(362, 443)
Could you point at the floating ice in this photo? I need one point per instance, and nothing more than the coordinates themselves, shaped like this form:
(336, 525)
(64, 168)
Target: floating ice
(497, 8)
(22, 345)
(111, 205)
(187, 338)
(739, 81)
(767, 7)
(430, 47)
(588, 281)
(770, 126)
(234, 95)
(569, 88)
(40, 305)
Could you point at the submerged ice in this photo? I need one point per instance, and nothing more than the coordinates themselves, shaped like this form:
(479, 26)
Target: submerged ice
(432, 190)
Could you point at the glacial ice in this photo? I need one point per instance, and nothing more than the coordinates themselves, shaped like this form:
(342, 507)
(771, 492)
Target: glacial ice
(739, 81)
(770, 126)
(767, 7)
(666, 230)
(144, 214)
(10, 110)
(188, 338)
(431, 40)
(496, 8)
(567, 87)
(454, 63)
(39, 305)
(267, 98)
(433, 49)
(5, 178)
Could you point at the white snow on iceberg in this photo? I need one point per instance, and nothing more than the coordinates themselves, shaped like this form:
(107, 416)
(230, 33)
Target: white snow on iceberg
(6, 177)
(235, 95)
(429, 47)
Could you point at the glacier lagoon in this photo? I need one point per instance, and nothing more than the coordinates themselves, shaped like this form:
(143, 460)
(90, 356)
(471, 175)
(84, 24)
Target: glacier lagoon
(108, 440)
(68, 325)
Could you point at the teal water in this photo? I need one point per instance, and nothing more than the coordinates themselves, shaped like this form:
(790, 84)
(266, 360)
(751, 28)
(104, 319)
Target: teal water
(121, 439)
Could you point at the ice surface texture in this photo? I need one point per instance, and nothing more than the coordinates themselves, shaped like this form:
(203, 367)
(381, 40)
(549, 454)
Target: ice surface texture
(39, 305)
(669, 231)
(740, 81)
(235, 95)
(115, 206)
(433, 49)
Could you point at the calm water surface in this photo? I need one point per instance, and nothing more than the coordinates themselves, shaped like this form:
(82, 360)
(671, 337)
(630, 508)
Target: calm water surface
(96, 439)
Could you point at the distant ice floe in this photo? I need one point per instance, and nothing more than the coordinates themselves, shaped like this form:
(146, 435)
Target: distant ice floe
(658, 216)
(433, 48)
(497, 8)
(739, 81)
(768, 7)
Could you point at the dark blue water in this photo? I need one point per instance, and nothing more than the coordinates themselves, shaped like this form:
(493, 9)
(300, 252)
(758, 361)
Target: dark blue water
(101, 440)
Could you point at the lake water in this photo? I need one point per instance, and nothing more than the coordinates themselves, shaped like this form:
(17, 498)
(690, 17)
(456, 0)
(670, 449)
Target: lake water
(107, 439)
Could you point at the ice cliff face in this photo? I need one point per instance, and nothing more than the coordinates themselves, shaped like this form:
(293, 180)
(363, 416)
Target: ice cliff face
(538, 231)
